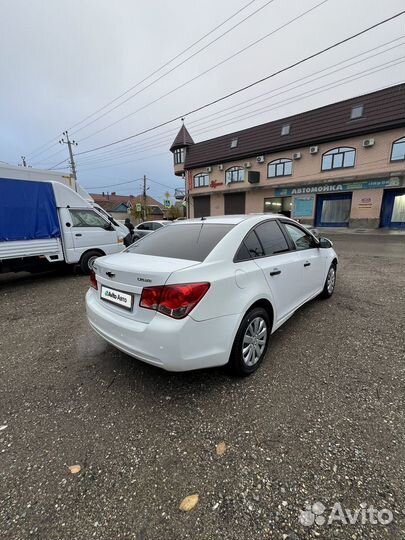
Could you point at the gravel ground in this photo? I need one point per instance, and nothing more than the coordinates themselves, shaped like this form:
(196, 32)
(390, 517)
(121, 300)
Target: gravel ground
(322, 420)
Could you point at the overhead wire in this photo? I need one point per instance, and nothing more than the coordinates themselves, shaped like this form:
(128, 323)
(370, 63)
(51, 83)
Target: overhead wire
(261, 110)
(245, 6)
(245, 87)
(127, 149)
(202, 73)
(175, 67)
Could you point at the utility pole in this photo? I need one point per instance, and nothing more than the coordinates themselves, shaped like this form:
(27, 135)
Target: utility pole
(144, 197)
(65, 140)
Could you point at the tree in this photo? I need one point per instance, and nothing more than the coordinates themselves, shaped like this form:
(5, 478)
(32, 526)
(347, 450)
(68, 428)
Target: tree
(174, 212)
(138, 214)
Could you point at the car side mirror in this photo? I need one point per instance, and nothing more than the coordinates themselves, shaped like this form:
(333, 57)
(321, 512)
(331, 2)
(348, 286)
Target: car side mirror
(325, 243)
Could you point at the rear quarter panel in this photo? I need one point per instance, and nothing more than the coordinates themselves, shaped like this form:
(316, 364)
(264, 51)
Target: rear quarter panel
(234, 287)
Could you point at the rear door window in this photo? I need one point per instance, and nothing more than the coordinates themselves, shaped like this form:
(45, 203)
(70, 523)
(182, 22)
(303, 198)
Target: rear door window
(250, 248)
(193, 241)
(272, 238)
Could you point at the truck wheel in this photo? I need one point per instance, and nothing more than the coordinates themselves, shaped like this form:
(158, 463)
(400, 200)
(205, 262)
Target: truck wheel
(87, 261)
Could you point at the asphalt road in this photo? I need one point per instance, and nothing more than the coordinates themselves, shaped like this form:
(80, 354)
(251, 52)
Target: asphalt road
(321, 421)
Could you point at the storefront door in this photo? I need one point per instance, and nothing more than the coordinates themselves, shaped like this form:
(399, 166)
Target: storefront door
(202, 206)
(333, 210)
(393, 209)
(234, 203)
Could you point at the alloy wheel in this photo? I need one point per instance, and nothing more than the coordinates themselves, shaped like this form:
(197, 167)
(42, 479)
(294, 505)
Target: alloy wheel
(254, 341)
(331, 280)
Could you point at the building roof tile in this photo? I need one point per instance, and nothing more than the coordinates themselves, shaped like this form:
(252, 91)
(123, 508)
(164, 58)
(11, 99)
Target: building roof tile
(383, 109)
(183, 138)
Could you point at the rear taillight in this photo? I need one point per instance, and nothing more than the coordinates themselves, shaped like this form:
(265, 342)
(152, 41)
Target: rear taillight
(173, 300)
(93, 280)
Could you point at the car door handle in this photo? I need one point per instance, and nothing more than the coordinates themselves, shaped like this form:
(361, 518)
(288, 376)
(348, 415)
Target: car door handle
(78, 234)
(275, 272)
(307, 263)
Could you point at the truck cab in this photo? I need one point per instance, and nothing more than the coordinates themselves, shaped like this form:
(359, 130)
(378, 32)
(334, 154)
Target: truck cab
(87, 235)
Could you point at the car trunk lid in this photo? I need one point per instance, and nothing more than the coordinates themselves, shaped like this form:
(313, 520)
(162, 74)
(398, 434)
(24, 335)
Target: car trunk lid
(122, 277)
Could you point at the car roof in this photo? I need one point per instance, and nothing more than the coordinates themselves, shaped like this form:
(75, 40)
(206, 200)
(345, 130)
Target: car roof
(230, 219)
(154, 221)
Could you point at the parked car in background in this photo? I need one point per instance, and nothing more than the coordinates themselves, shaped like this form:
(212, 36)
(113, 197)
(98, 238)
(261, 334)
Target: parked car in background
(212, 297)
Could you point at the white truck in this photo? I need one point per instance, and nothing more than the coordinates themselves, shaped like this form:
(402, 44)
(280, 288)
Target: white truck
(44, 222)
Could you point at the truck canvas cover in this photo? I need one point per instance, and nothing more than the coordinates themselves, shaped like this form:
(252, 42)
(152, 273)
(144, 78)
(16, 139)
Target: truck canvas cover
(27, 210)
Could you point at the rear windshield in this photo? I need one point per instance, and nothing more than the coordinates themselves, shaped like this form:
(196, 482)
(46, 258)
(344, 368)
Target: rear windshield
(180, 241)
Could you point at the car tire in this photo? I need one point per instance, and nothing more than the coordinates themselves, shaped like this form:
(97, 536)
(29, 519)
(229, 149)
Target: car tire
(330, 282)
(87, 261)
(251, 342)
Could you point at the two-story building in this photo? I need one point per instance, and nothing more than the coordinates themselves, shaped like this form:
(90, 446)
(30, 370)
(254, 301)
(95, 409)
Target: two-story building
(340, 165)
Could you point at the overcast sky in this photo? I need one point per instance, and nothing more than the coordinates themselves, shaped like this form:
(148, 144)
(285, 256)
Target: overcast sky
(61, 61)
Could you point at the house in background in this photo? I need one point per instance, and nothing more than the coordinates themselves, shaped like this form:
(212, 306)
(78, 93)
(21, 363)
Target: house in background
(120, 206)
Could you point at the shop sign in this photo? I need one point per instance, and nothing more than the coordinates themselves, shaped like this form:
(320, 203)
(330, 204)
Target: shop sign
(215, 184)
(337, 188)
(365, 202)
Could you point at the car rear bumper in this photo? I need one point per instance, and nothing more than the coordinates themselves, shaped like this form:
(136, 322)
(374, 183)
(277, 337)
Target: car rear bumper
(174, 345)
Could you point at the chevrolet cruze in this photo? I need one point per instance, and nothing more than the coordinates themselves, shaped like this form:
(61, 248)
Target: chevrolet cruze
(208, 292)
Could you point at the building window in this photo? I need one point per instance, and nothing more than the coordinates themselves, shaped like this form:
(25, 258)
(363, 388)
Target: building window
(201, 180)
(234, 143)
(179, 154)
(357, 112)
(338, 158)
(398, 150)
(279, 167)
(235, 174)
(285, 130)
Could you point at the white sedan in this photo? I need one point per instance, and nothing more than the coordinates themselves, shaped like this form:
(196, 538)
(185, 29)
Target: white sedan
(208, 292)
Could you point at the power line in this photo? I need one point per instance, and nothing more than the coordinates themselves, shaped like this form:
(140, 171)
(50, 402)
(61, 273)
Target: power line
(181, 86)
(35, 151)
(114, 185)
(123, 163)
(276, 105)
(130, 182)
(291, 99)
(129, 149)
(222, 125)
(173, 68)
(350, 78)
(283, 87)
(246, 87)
